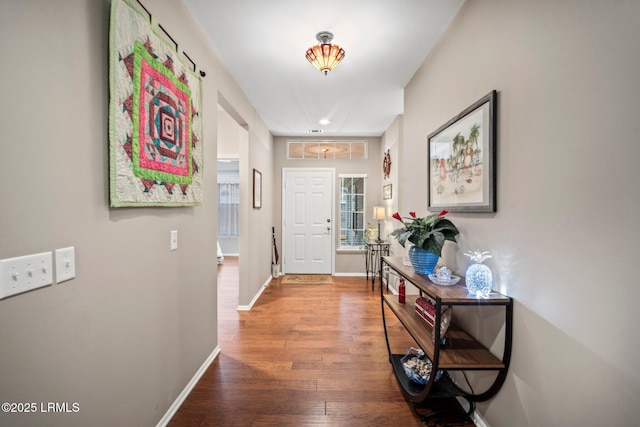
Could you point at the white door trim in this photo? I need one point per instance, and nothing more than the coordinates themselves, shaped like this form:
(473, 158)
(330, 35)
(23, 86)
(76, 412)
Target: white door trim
(333, 213)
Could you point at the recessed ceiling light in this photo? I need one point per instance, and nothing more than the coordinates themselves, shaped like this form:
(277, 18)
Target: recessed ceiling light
(324, 121)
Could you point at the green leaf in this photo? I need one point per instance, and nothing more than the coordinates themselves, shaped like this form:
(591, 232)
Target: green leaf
(402, 235)
(435, 243)
(428, 233)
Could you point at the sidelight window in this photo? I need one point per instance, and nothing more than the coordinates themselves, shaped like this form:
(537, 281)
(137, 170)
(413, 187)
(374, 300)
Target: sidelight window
(352, 212)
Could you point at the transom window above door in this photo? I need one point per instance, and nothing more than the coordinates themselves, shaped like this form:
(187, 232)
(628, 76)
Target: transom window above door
(350, 150)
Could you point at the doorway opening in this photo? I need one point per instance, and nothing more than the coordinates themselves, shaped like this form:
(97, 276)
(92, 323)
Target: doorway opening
(232, 155)
(229, 206)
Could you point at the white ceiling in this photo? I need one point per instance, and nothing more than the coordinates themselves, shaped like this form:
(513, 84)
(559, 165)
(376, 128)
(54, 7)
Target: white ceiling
(263, 43)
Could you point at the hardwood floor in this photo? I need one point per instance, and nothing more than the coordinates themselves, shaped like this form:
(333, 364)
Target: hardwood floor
(305, 355)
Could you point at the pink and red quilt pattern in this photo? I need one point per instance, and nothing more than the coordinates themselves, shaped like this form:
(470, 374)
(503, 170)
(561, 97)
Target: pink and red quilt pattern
(155, 123)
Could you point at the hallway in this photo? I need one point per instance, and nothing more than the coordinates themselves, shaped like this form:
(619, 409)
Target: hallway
(304, 355)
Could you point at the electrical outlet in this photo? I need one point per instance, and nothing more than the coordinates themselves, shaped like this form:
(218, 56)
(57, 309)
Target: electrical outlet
(65, 264)
(25, 273)
(173, 240)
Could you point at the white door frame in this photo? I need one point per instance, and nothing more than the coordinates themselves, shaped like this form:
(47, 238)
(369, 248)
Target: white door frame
(332, 234)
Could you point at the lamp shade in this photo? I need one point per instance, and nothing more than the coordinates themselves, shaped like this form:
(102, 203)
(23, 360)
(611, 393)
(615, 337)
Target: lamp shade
(379, 212)
(325, 56)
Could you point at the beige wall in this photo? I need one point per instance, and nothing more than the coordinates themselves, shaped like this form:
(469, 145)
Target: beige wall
(392, 141)
(229, 135)
(565, 236)
(345, 263)
(126, 335)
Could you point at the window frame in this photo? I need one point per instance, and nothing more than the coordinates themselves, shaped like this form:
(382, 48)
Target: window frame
(319, 143)
(341, 177)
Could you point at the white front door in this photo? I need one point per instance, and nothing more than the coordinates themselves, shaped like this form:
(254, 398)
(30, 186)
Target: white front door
(308, 221)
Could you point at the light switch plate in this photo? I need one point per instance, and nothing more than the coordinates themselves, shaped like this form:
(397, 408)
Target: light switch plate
(173, 240)
(25, 273)
(65, 264)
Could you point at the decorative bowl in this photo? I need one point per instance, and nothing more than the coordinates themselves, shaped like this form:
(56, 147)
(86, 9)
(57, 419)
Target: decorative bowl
(408, 363)
(442, 281)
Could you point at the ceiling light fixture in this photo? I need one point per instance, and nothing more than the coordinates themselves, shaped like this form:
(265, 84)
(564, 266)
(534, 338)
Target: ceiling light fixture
(325, 56)
(324, 122)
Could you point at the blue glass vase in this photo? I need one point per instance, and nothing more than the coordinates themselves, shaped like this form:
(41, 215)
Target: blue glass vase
(422, 261)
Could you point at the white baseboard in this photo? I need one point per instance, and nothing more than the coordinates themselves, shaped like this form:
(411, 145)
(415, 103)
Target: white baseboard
(350, 274)
(183, 395)
(255, 298)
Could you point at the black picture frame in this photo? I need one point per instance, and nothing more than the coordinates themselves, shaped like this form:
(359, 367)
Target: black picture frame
(462, 160)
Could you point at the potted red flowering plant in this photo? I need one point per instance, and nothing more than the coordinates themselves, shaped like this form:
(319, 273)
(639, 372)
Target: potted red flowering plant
(427, 234)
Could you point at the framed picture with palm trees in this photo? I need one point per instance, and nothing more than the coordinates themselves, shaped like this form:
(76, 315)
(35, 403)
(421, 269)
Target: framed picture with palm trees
(462, 160)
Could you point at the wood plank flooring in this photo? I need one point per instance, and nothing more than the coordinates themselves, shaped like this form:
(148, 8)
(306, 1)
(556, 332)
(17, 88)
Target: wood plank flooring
(305, 355)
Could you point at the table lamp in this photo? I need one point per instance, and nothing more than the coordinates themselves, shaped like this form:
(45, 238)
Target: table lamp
(379, 213)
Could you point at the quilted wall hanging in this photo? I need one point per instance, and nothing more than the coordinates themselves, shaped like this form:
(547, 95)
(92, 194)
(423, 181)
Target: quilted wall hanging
(155, 123)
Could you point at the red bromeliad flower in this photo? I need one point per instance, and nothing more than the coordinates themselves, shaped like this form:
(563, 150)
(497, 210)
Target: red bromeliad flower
(413, 214)
(441, 214)
(397, 216)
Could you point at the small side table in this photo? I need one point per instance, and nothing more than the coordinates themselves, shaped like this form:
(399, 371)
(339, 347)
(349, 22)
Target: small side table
(375, 251)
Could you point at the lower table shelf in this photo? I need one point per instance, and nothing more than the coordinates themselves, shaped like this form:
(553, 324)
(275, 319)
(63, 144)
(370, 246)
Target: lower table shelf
(442, 388)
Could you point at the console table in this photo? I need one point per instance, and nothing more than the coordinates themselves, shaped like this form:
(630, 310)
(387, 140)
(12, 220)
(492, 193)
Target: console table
(375, 251)
(460, 351)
